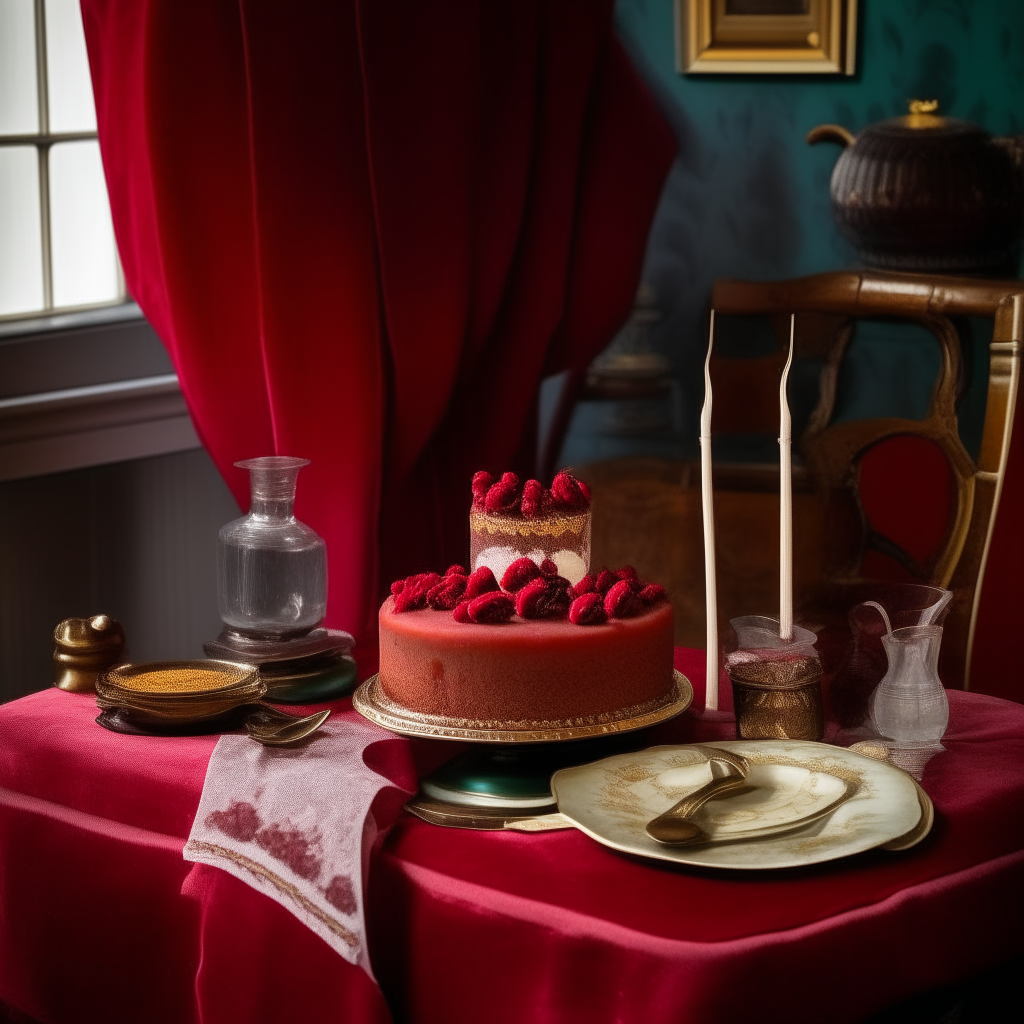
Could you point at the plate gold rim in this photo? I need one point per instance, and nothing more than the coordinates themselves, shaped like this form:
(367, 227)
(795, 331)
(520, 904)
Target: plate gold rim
(371, 703)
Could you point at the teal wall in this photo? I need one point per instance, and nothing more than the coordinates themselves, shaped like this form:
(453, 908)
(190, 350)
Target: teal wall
(749, 198)
(742, 137)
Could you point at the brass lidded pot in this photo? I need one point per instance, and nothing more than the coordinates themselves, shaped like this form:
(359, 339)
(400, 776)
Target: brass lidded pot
(928, 193)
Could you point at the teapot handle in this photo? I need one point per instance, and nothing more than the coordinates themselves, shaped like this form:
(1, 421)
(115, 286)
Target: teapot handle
(830, 133)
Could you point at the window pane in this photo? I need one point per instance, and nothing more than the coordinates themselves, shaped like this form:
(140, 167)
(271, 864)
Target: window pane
(21, 250)
(19, 106)
(67, 65)
(81, 235)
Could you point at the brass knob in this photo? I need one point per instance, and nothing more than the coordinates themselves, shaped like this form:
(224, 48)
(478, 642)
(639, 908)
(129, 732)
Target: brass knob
(924, 114)
(83, 648)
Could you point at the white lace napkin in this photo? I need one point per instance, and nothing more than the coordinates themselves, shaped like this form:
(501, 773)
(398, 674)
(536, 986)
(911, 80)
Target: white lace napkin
(295, 824)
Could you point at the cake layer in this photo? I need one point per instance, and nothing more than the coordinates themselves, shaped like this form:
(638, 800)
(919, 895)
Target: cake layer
(523, 670)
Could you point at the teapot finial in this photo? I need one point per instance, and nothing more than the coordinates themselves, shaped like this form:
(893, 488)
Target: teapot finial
(923, 114)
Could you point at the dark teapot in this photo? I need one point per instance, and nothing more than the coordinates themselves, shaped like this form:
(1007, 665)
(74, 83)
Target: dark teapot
(929, 194)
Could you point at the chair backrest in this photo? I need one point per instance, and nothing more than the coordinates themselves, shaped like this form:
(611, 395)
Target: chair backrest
(835, 452)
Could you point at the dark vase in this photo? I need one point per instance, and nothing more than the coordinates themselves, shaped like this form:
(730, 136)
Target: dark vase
(928, 194)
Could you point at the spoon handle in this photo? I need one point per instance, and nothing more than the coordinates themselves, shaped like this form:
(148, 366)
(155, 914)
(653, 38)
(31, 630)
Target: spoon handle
(689, 805)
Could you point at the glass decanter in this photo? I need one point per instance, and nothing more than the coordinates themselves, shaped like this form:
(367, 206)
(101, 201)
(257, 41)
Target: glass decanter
(271, 569)
(909, 707)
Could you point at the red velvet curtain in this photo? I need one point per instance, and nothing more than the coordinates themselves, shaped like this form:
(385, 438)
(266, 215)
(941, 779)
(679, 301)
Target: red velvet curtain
(366, 229)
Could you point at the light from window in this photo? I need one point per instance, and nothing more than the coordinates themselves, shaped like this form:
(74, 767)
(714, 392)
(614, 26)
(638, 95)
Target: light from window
(56, 239)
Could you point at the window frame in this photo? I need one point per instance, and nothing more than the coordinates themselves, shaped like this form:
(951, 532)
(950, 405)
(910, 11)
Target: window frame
(44, 140)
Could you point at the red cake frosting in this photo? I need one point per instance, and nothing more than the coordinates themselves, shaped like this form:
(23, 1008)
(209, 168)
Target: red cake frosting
(525, 670)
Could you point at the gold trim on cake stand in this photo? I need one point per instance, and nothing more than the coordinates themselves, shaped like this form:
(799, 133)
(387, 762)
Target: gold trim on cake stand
(371, 702)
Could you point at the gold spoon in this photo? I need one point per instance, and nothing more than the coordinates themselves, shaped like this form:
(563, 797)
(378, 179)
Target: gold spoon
(274, 728)
(674, 827)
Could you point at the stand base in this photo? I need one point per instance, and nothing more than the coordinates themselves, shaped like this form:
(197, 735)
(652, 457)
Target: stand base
(495, 786)
(306, 669)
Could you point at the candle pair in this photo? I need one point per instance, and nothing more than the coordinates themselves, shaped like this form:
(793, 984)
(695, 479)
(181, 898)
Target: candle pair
(785, 515)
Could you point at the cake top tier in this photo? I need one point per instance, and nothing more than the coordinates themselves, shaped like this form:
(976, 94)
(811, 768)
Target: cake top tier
(507, 497)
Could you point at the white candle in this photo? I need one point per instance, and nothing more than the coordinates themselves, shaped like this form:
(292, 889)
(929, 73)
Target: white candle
(786, 498)
(707, 502)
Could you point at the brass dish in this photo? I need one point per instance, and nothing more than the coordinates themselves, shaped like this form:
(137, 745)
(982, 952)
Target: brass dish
(193, 697)
(178, 692)
(371, 702)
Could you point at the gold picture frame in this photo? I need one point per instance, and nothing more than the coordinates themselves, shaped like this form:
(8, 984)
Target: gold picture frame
(766, 37)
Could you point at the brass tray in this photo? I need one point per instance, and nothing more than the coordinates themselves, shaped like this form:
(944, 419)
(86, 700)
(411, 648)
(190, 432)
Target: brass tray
(371, 702)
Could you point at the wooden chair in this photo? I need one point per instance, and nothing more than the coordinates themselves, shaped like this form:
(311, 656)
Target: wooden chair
(651, 508)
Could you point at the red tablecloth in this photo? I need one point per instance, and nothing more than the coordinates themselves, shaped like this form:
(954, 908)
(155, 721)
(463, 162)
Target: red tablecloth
(104, 921)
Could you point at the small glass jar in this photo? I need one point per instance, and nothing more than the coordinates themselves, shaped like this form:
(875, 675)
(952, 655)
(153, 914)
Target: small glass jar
(271, 568)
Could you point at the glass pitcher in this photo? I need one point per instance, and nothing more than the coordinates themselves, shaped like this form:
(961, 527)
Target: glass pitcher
(894, 606)
(909, 707)
(271, 568)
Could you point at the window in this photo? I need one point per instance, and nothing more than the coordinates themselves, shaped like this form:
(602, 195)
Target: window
(57, 248)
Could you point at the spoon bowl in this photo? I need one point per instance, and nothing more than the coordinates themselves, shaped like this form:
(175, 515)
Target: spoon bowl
(274, 728)
(674, 827)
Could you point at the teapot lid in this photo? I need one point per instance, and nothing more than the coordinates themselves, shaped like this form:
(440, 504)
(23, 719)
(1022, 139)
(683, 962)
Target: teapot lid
(923, 119)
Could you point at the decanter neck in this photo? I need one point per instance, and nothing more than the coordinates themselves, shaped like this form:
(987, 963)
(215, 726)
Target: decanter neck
(272, 482)
(265, 508)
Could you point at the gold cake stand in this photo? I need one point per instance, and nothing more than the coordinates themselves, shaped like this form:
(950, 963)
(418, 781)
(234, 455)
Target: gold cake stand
(371, 702)
(507, 783)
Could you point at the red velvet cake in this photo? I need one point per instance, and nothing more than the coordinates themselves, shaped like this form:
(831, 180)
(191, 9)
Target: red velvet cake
(522, 673)
(548, 651)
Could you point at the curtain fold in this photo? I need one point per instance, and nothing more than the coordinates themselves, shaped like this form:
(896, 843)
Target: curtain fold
(366, 230)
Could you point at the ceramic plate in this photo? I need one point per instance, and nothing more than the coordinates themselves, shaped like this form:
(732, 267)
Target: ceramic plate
(804, 803)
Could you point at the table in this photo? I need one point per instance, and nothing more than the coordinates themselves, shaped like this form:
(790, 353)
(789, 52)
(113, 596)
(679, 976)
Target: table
(103, 920)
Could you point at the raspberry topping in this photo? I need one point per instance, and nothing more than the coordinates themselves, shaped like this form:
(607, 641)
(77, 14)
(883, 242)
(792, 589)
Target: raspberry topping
(569, 493)
(519, 573)
(588, 610)
(546, 597)
(504, 495)
(533, 499)
(447, 594)
(414, 594)
(480, 582)
(653, 593)
(622, 601)
(529, 590)
(481, 484)
(492, 608)
(585, 586)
